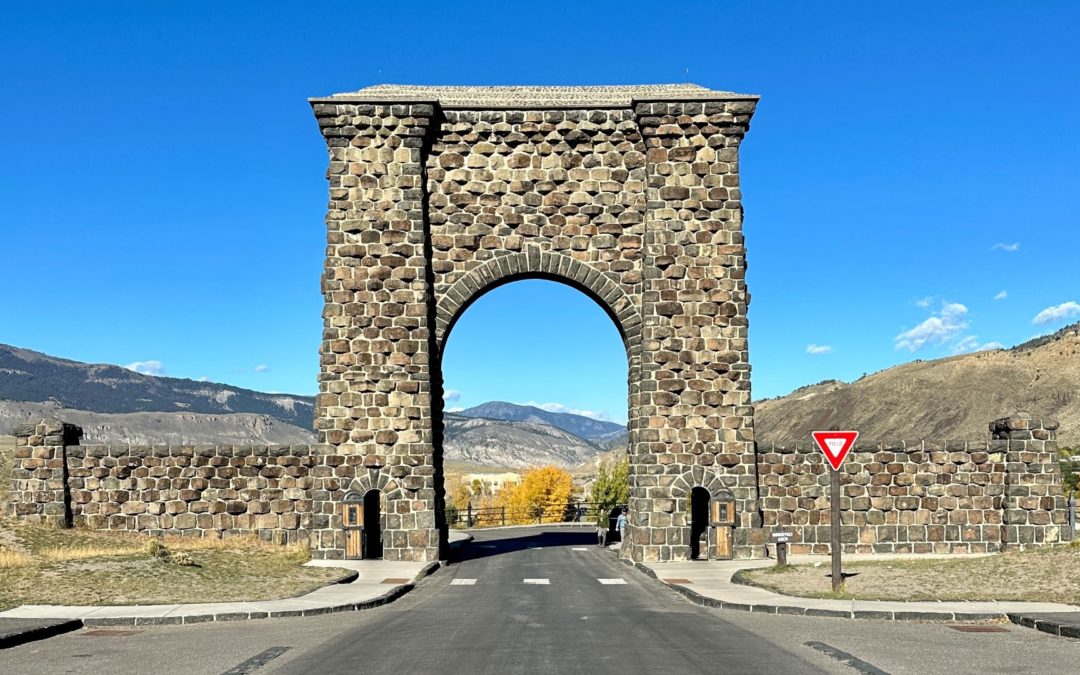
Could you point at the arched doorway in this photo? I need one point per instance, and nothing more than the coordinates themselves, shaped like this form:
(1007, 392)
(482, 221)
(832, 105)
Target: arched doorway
(373, 547)
(699, 523)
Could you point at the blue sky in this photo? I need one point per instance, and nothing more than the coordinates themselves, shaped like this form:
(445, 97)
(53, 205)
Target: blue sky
(909, 180)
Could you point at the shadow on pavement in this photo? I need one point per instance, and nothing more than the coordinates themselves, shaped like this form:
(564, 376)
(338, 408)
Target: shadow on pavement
(492, 543)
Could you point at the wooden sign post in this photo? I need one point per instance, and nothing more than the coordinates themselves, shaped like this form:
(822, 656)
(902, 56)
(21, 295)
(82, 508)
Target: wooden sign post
(835, 445)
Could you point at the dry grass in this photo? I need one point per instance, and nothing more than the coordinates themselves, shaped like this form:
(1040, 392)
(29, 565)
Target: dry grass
(82, 567)
(12, 559)
(1045, 575)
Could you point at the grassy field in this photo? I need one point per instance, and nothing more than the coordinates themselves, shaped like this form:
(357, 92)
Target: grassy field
(1047, 575)
(44, 565)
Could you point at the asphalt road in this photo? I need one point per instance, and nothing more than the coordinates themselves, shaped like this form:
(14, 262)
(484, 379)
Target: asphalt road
(583, 612)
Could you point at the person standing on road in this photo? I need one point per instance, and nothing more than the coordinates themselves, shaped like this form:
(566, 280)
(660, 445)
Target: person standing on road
(601, 535)
(620, 525)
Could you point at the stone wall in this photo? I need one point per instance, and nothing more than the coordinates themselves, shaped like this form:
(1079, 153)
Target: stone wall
(957, 497)
(954, 497)
(277, 492)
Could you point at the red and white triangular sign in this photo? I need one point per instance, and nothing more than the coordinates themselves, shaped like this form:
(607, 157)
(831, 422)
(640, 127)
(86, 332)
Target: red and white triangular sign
(835, 445)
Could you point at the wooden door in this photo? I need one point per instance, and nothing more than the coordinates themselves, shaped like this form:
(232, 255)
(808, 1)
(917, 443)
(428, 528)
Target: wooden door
(722, 550)
(353, 549)
(352, 519)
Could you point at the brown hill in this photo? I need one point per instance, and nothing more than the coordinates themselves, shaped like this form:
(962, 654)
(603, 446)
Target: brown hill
(952, 398)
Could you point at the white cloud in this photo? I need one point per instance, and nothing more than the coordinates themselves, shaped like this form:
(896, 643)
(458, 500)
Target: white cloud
(262, 368)
(204, 378)
(151, 367)
(818, 349)
(451, 395)
(971, 344)
(925, 302)
(940, 328)
(1008, 248)
(1002, 295)
(560, 408)
(455, 409)
(1065, 310)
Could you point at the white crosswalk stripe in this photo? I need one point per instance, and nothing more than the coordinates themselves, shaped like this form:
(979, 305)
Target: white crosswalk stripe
(612, 582)
(463, 582)
(538, 582)
(579, 548)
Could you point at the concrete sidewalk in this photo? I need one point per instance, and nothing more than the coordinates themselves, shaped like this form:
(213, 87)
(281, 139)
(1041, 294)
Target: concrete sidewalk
(709, 583)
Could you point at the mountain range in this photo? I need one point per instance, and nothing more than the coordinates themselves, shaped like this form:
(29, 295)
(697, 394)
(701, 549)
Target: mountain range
(942, 399)
(117, 405)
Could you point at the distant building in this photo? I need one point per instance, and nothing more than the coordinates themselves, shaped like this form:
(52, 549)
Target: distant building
(491, 483)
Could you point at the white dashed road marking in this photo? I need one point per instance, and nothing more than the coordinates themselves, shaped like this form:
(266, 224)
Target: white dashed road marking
(463, 582)
(612, 582)
(539, 582)
(579, 548)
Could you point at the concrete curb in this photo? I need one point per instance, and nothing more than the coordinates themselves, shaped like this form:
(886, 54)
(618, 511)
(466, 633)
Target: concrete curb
(795, 610)
(1045, 624)
(44, 629)
(384, 599)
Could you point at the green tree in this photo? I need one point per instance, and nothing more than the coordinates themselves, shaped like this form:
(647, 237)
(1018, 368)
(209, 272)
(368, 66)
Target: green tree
(611, 488)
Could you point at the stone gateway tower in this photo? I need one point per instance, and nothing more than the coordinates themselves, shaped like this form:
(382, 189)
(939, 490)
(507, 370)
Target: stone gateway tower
(629, 194)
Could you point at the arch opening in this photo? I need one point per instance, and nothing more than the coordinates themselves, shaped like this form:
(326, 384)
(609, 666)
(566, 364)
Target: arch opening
(459, 310)
(546, 350)
(699, 523)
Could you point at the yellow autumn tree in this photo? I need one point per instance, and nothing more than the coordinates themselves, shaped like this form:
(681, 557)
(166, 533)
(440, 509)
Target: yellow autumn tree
(542, 495)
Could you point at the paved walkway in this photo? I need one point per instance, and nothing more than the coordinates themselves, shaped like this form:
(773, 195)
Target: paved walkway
(709, 583)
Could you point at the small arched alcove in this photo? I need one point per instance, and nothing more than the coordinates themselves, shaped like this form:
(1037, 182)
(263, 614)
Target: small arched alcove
(373, 548)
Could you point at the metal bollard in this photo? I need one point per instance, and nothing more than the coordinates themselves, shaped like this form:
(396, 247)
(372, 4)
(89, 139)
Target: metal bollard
(1072, 516)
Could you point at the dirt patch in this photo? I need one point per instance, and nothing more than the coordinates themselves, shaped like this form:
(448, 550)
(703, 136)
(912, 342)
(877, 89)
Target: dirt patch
(80, 567)
(1045, 575)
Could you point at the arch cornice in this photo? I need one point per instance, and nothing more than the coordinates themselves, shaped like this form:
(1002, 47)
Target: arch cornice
(535, 263)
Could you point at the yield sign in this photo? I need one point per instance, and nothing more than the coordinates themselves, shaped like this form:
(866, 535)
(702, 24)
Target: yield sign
(835, 445)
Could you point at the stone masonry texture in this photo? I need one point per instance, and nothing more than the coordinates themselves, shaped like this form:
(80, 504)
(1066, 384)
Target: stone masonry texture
(954, 497)
(629, 194)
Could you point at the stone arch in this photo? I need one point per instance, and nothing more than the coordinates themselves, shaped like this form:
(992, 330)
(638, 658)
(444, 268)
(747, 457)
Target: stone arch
(699, 477)
(536, 264)
(374, 479)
